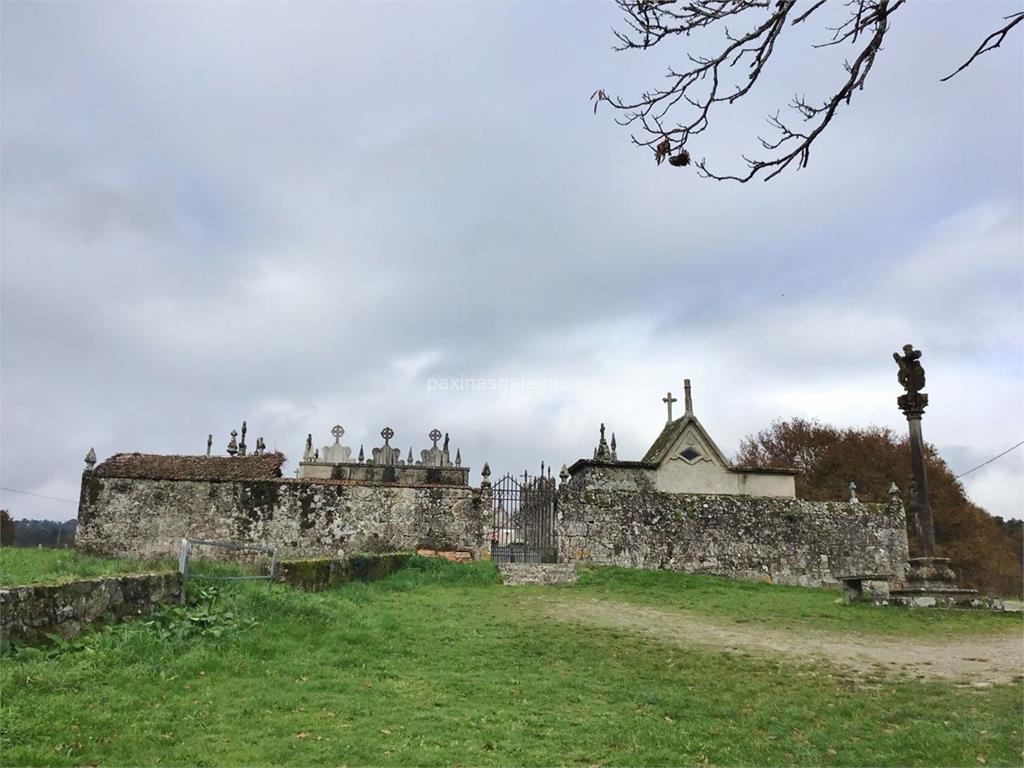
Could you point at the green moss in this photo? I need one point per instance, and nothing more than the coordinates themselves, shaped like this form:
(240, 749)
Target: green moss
(94, 486)
(316, 574)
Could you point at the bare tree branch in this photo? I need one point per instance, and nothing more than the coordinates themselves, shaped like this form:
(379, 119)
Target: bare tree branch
(987, 45)
(751, 31)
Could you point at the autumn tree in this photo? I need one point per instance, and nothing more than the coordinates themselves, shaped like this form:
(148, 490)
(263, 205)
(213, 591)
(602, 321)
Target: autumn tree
(981, 547)
(6, 529)
(724, 48)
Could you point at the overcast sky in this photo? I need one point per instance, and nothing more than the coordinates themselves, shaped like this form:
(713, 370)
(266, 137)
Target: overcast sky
(305, 214)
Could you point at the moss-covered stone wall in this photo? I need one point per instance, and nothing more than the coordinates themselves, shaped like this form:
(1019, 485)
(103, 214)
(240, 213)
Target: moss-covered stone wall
(303, 518)
(315, 574)
(29, 614)
(613, 516)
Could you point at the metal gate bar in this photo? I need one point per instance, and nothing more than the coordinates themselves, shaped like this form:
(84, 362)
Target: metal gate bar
(523, 529)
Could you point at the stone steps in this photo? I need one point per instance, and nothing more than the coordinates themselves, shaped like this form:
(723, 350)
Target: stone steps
(515, 574)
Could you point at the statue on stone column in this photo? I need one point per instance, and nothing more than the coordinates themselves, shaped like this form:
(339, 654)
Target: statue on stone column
(913, 403)
(911, 373)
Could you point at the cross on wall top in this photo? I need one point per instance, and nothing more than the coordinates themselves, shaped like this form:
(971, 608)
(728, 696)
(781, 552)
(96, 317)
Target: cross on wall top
(337, 430)
(668, 400)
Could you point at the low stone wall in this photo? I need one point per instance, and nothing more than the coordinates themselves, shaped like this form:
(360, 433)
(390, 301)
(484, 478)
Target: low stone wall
(616, 517)
(316, 574)
(148, 517)
(29, 613)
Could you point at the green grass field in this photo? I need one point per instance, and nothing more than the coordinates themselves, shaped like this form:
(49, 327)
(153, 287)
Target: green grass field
(40, 566)
(441, 665)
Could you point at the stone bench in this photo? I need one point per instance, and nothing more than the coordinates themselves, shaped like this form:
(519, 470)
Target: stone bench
(876, 584)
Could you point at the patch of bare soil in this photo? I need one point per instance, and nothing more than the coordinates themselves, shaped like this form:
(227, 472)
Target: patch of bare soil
(978, 660)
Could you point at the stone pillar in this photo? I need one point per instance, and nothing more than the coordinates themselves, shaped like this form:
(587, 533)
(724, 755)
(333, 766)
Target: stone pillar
(929, 579)
(913, 404)
(484, 501)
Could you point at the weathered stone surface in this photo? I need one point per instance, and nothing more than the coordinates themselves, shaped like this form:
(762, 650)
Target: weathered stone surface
(148, 518)
(378, 474)
(615, 516)
(160, 467)
(455, 556)
(316, 574)
(517, 574)
(930, 582)
(29, 613)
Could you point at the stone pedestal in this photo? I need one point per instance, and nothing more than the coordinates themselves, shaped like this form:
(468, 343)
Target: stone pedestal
(929, 582)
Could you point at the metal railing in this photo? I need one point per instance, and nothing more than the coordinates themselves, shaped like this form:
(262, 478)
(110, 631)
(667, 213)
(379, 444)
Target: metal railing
(186, 553)
(523, 519)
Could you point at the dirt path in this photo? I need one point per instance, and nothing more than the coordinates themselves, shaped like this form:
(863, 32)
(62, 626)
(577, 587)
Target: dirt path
(977, 660)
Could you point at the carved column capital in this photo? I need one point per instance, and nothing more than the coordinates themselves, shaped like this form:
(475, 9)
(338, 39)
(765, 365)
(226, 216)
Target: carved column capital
(913, 404)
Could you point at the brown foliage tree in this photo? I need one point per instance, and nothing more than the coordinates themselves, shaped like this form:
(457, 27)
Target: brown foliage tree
(981, 547)
(6, 529)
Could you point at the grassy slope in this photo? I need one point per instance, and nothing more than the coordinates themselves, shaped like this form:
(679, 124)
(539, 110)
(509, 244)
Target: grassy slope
(440, 665)
(37, 566)
(785, 607)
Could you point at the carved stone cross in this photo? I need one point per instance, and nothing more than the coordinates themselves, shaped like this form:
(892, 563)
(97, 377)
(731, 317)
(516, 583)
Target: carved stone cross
(337, 430)
(435, 435)
(668, 400)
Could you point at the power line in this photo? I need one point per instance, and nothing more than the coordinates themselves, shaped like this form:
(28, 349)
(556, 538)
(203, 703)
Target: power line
(40, 495)
(1018, 445)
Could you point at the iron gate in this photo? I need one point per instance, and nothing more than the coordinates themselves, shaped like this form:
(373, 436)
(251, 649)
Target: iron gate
(523, 528)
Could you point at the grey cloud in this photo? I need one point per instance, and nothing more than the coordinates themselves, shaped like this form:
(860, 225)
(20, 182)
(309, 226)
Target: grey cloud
(275, 212)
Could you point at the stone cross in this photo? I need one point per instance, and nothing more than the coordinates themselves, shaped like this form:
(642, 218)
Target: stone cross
(337, 430)
(434, 456)
(233, 443)
(913, 403)
(386, 455)
(668, 400)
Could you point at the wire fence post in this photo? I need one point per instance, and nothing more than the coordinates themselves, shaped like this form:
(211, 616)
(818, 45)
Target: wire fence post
(186, 553)
(183, 566)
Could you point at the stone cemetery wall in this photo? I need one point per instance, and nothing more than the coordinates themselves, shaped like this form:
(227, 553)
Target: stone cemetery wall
(613, 516)
(28, 614)
(147, 516)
